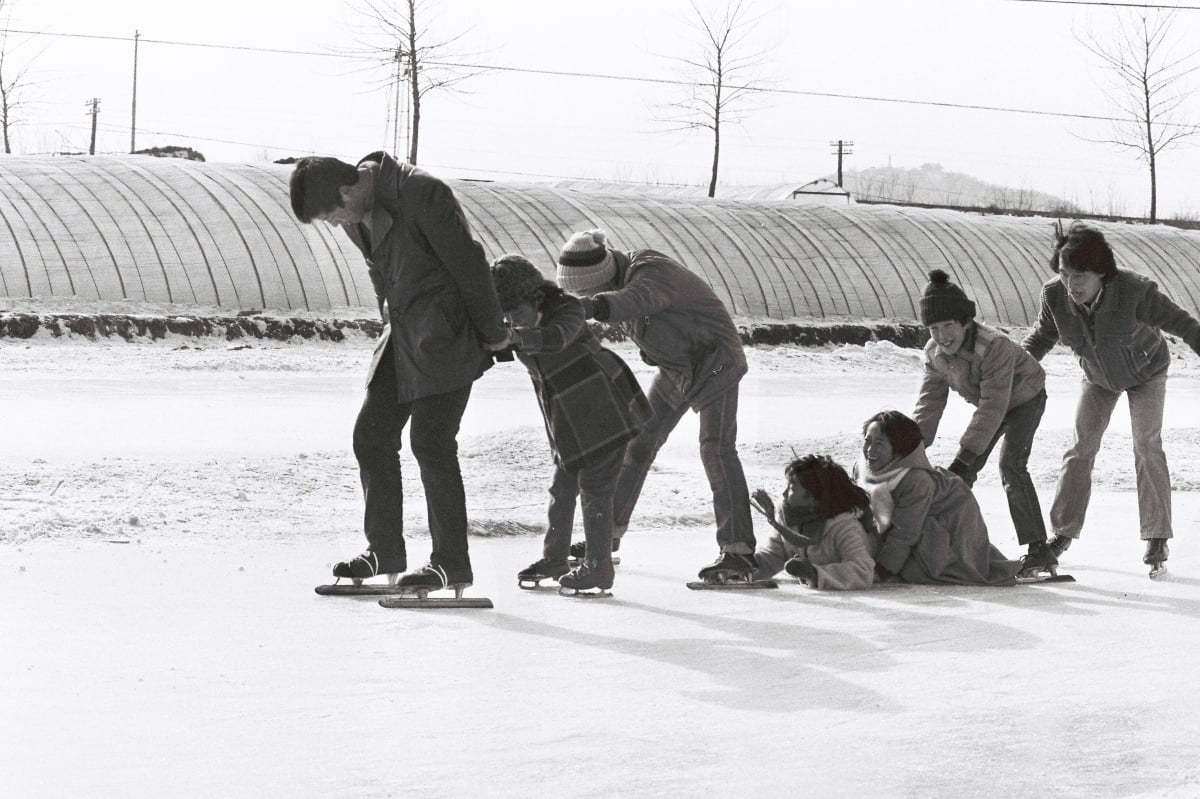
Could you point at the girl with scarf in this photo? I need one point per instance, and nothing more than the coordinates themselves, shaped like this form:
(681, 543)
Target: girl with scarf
(931, 528)
(821, 535)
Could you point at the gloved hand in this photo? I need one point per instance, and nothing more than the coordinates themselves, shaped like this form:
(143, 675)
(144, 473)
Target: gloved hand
(959, 467)
(803, 570)
(589, 307)
(763, 503)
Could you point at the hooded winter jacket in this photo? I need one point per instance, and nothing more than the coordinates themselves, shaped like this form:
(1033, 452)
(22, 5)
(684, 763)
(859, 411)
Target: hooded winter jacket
(1121, 346)
(441, 301)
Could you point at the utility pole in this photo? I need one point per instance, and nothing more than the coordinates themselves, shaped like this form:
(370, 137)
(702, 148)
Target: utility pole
(133, 105)
(94, 106)
(842, 149)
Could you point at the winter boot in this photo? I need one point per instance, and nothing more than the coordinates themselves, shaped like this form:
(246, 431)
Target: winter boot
(1156, 555)
(1059, 544)
(578, 551)
(432, 577)
(1039, 559)
(590, 578)
(533, 574)
(730, 567)
(370, 564)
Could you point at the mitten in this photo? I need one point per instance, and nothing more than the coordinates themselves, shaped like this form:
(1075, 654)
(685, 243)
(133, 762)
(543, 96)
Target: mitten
(802, 570)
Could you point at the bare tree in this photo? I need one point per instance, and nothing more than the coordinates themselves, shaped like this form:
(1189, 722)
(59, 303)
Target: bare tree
(726, 75)
(1150, 86)
(13, 82)
(417, 63)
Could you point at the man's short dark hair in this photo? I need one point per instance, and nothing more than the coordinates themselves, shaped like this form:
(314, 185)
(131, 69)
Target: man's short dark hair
(316, 183)
(1083, 249)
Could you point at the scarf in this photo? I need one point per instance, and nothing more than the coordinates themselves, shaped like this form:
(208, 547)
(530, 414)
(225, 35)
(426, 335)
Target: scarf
(879, 487)
(804, 521)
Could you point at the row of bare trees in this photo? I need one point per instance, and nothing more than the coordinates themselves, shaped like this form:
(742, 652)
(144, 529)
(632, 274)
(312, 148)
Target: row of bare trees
(723, 74)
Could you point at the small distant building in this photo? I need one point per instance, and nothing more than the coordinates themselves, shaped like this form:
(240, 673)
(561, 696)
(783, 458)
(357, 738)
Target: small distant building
(172, 152)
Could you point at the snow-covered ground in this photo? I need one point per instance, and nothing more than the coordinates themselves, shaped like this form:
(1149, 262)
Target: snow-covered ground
(166, 509)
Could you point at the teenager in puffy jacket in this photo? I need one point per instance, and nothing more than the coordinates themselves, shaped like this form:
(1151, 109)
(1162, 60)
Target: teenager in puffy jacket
(684, 329)
(1113, 320)
(1006, 385)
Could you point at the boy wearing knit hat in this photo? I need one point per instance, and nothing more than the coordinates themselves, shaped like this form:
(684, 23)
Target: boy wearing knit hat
(1006, 385)
(682, 327)
(592, 406)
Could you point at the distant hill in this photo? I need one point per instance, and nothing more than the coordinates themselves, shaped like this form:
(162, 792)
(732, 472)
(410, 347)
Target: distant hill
(930, 184)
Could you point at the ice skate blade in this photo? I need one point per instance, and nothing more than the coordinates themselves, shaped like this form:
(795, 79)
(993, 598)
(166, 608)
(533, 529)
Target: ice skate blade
(1159, 572)
(573, 562)
(360, 589)
(408, 601)
(392, 577)
(736, 585)
(1023, 579)
(532, 585)
(590, 593)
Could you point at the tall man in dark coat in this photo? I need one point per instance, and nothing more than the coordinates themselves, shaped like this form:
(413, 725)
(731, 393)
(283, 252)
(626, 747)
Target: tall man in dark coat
(441, 316)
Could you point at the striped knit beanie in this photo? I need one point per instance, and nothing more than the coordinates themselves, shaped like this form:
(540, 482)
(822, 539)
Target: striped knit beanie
(585, 264)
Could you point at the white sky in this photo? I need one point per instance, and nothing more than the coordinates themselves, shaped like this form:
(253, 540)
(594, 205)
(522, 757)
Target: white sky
(235, 105)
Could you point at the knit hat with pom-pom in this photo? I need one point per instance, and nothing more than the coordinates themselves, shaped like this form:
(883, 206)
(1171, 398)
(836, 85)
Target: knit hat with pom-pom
(943, 301)
(517, 281)
(585, 264)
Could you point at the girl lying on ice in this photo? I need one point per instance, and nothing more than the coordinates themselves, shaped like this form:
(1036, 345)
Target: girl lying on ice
(931, 528)
(821, 533)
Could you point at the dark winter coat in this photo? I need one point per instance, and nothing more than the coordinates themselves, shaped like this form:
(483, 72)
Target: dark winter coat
(933, 531)
(1122, 345)
(591, 402)
(679, 323)
(991, 372)
(441, 301)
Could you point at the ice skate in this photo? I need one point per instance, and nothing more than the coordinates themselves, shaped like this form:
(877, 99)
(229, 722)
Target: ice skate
(532, 575)
(731, 571)
(578, 552)
(414, 588)
(591, 578)
(1156, 555)
(1039, 561)
(363, 567)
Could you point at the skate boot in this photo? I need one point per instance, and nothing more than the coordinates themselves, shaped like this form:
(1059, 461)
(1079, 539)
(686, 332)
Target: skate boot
(730, 567)
(1039, 560)
(591, 578)
(1059, 544)
(432, 577)
(532, 575)
(369, 564)
(578, 552)
(1156, 555)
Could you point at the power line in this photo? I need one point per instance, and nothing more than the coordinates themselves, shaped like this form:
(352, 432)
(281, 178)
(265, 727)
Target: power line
(639, 79)
(1106, 4)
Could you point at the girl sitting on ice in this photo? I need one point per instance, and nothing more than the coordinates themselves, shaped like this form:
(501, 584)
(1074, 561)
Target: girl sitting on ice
(821, 534)
(931, 529)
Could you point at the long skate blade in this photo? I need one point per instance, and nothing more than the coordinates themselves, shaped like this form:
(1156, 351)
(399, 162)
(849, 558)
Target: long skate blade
(365, 589)
(1044, 578)
(599, 593)
(417, 603)
(736, 585)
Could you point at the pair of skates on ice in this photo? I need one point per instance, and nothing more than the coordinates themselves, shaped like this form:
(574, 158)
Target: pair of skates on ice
(1041, 563)
(402, 590)
(588, 578)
